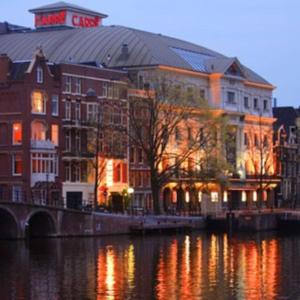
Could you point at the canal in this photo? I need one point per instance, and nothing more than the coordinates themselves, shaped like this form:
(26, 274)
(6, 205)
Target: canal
(193, 266)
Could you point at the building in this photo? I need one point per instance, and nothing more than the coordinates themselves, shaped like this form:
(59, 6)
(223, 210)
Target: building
(71, 34)
(287, 149)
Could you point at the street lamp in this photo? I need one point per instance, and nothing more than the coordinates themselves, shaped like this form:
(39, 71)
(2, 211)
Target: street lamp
(130, 193)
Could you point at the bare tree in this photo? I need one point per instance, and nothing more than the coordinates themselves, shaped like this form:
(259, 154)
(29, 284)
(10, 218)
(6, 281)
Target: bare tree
(260, 160)
(171, 126)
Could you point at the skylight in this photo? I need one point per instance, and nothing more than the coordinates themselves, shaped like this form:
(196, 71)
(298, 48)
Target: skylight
(194, 59)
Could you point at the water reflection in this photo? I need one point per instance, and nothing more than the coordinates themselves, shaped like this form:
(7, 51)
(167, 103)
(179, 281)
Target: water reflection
(196, 266)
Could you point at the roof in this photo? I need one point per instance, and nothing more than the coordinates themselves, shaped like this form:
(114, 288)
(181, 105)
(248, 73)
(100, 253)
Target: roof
(104, 44)
(286, 116)
(64, 5)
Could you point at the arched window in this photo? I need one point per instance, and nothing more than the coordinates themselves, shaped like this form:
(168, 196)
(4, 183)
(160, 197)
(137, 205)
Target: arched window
(38, 102)
(38, 131)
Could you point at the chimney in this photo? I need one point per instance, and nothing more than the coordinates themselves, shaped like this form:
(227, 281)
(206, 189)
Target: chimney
(274, 102)
(4, 67)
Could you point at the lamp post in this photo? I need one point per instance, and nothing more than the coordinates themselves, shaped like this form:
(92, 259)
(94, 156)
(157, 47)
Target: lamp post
(130, 194)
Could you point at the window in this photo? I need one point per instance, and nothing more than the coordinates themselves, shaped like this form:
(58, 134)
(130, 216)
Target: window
(77, 172)
(68, 172)
(77, 111)
(38, 103)
(17, 164)
(266, 105)
(255, 103)
(246, 140)
(17, 133)
(231, 97)
(202, 94)
(140, 155)
(110, 91)
(54, 105)
(117, 116)
(77, 85)
(177, 134)
(256, 141)
(92, 112)
(54, 134)
(38, 131)
(39, 75)
(214, 196)
(116, 92)
(68, 109)
(131, 155)
(17, 193)
(44, 163)
(68, 141)
(189, 133)
(246, 102)
(68, 84)
(104, 89)
(78, 141)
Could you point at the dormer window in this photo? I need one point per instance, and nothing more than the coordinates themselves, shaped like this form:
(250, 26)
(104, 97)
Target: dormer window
(39, 75)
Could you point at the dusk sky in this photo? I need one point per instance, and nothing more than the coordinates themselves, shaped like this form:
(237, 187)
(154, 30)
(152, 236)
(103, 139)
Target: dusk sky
(263, 34)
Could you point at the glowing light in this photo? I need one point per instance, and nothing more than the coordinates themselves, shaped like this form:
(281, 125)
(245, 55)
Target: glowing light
(225, 196)
(254, 196)
(174, 196)
(130, 190)
(200, 196)
(244, 196)
(109, 173)
(214, 196)
(187, 197)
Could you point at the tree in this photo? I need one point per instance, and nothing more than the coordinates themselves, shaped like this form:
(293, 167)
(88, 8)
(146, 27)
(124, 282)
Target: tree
(172, 125)
(260, 157)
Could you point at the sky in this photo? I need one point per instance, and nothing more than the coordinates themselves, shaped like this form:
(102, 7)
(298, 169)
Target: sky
(263, 34)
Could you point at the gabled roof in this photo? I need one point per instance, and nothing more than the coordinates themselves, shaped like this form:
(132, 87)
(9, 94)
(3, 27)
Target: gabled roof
(64, 5)
(104, 45)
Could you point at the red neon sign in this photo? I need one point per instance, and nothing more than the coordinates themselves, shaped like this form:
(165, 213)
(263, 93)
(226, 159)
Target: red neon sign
(81, 21)
(50, 19)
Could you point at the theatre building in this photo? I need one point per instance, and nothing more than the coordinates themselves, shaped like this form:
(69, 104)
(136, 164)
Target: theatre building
(72, 35)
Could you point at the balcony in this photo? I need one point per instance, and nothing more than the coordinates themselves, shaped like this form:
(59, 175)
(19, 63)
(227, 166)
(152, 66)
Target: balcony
(42, 145)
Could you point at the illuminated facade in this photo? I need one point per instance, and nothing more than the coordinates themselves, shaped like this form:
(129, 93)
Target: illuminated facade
(230, 88)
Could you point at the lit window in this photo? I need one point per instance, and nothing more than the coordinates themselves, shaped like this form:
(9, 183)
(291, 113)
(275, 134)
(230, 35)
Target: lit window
(187, 197)
(77, 85)
(54, 134)
(17, 133)
(68, 84)
(244, 196)
(38, 131)
(68, 109)
(39, 75)
(17, 165)
(54, 104)
(38, 103)
(225, 196)
(254, 196)
(214, 197)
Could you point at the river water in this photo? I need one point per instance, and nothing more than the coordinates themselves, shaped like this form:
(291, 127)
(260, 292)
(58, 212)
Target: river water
(193, 266)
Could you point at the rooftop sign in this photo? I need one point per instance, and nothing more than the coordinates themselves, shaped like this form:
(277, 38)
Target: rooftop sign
(64, 14)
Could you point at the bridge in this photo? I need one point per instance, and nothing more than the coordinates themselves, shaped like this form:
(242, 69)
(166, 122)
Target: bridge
(21, 220)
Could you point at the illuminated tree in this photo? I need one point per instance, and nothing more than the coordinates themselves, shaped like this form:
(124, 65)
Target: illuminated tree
(173, 126)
